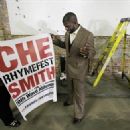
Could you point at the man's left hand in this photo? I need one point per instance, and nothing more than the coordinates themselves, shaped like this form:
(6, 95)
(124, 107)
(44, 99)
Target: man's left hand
(84, 51)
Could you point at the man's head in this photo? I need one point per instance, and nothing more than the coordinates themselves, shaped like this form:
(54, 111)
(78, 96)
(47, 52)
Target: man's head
(70, 22)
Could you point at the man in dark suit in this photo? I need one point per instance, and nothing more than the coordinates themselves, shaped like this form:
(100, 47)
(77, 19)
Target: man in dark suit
(79, 44)
(6, 114)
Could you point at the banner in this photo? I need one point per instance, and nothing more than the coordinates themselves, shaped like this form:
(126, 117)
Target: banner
(27, 68)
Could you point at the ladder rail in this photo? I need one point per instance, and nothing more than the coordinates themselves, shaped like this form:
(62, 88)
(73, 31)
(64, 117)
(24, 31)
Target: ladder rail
(123, 62)
(109, 42)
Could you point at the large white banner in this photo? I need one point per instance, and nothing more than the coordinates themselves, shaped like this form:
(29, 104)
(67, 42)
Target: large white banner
(27, 68)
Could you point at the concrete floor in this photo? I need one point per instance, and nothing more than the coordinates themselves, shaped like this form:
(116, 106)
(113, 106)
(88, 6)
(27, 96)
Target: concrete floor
(107, 108)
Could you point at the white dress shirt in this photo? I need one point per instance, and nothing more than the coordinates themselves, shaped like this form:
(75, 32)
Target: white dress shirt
(73, 35)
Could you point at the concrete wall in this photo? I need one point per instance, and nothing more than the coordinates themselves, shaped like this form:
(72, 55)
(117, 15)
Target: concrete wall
(31, 17)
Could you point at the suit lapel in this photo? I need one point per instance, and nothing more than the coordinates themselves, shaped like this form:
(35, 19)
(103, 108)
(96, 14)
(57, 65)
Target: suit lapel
(78, 38)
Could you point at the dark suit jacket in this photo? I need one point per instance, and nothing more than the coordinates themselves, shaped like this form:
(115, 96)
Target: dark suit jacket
(76, 65)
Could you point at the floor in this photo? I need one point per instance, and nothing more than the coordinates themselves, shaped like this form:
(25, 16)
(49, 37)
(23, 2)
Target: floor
(107, 108)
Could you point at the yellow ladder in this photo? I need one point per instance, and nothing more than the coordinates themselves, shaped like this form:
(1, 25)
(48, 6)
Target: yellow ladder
(113, 43)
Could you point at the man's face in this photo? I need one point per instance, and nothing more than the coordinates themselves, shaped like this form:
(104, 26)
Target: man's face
(69, 27)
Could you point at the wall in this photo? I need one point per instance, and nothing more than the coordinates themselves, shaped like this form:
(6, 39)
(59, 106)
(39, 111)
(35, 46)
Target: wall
(39, 16)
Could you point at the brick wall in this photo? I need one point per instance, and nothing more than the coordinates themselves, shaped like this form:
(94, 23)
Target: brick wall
(114, 65)
(4, 21)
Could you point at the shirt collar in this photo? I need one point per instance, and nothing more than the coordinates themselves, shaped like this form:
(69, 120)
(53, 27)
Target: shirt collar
(76, 31)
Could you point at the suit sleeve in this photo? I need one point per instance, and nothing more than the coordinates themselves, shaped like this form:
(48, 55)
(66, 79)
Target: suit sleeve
(90, 44)
(59, 43)
(91, 52)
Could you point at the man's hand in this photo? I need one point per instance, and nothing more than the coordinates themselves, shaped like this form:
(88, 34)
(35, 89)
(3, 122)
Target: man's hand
(84, 51)
(55, 38)
(57, 41)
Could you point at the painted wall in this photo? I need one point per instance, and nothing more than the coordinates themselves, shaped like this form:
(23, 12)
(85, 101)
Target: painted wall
(100, 42)
(39, 16)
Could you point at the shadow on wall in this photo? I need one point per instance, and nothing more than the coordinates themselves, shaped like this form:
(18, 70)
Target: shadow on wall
(25, 29)
(43, 28)
(101, 27)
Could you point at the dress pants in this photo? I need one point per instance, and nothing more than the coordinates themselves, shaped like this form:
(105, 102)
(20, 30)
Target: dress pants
(6, 114)
(76, 90)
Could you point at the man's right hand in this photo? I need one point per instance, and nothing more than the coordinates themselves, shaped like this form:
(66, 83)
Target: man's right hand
(57, 41)
(55, 38)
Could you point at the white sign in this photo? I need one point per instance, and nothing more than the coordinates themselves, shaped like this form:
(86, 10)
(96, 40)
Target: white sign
(27, 68)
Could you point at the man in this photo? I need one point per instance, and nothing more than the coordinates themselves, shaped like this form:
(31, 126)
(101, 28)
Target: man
(79, 44)
(5, 110)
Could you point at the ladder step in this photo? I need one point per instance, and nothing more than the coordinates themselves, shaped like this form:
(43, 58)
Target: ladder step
(125, 20)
